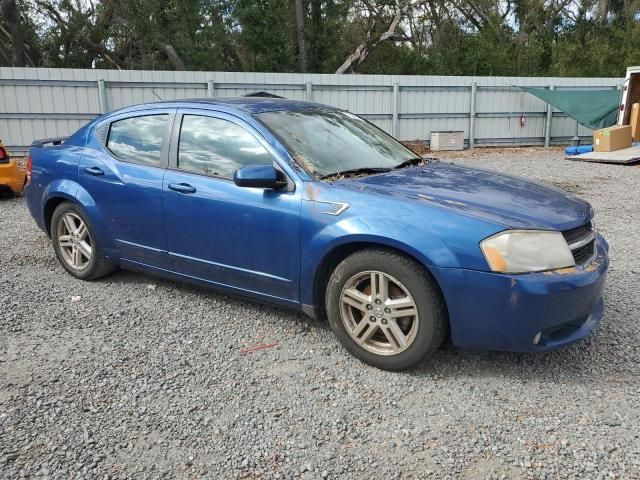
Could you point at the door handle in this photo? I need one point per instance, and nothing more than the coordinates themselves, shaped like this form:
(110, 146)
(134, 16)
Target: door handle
(182, 188)
(94, 171)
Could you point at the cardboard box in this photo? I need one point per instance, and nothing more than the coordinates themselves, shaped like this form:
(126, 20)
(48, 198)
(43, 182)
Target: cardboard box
(612, 138)
(635, 122)
(447, 141)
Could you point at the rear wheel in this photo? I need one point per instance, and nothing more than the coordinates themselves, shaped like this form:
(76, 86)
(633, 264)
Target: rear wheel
(75, 244)
(385, 309)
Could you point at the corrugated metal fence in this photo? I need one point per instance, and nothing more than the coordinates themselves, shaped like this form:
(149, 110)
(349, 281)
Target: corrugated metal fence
(40, 102)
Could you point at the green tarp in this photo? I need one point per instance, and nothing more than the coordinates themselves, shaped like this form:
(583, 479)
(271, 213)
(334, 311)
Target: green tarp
(591, 108)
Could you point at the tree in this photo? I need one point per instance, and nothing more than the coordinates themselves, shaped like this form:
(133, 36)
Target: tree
(328, 34)
(302, 47)
(376, 15)
(455, 37)
(11, 13)
(266, 39)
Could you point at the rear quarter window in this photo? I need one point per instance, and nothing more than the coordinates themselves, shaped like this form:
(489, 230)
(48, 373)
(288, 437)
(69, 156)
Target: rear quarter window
(138, 139)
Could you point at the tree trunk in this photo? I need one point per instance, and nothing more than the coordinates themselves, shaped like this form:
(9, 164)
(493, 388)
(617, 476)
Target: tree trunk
(172, 55)
(302, 46)
(603, 9)
(362, 50)
(10, 11)
(314, 53)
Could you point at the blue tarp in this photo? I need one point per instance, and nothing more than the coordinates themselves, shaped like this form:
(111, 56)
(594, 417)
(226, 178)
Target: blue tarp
(578, 150)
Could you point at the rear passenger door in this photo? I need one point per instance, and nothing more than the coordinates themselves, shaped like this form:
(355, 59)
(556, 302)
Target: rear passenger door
(244, 238)
(123, 174)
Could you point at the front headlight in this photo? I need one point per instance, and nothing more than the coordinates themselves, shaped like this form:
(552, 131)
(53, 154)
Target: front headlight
(521, 251)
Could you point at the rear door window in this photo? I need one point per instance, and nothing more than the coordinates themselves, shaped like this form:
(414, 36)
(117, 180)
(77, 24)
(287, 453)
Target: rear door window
(138, 139)
(213, 146)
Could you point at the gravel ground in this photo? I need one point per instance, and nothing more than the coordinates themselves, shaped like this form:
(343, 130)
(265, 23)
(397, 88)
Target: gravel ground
(136, 377)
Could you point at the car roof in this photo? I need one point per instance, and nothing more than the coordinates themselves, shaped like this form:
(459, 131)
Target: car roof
(248, 105)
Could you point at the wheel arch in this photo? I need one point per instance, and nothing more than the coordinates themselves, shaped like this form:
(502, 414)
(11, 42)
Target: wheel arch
(339, 252)
(49, 207)
(77, 195)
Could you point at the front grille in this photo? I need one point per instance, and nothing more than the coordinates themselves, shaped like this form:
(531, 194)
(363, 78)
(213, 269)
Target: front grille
(577, 233)
(582, 242)
(583, 255)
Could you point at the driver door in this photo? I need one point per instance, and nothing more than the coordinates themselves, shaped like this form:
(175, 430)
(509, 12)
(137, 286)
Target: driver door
(246, 239)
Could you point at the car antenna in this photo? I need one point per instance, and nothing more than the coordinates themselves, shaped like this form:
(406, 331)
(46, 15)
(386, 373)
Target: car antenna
(158, 96)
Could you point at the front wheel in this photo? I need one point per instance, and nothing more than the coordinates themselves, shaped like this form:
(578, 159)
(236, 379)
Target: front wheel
(385, 309)
(75, 244)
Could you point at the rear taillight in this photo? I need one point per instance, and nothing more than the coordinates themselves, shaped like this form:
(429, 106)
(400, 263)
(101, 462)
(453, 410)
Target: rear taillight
(3, 153)
(29, 167)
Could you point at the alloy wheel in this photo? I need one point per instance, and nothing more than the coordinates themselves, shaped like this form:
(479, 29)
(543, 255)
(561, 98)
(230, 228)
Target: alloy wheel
(74, 241)
(379, 313)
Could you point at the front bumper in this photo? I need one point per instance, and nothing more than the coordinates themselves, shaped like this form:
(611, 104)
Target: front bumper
(493, 311)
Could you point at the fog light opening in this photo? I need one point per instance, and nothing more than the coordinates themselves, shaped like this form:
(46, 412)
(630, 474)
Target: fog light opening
(536, 339)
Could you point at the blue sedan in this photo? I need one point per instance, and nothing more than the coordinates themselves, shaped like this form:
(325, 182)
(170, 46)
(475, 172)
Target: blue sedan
(313, 208)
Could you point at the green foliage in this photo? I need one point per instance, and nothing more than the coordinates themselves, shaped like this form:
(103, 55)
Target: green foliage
(487, 52)
(325, 33)
(484, 37)
(267, 35)
(390, 59)
(590, 49)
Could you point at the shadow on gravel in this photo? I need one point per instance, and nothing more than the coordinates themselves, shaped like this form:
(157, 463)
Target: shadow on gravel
(7, 195)
(575, 362)
(132, 277)
(572, 364)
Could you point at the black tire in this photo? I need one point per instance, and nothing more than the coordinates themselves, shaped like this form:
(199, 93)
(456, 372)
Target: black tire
(98, 266)
(433, 322)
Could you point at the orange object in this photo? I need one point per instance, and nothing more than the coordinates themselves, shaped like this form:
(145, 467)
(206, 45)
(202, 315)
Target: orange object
(495, 260)
(635, 122)
(12, 176)
(244, 351)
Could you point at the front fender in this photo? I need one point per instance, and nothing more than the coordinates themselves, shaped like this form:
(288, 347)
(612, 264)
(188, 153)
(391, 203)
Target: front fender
(436, 237)
(410, 238)
(317, 247)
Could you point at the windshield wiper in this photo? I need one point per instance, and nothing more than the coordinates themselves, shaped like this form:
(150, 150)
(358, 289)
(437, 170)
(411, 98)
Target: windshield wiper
(355, 171)
(414, 161)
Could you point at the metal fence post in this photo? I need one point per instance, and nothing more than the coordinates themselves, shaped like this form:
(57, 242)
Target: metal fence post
(102, 96)
(472, 115)
(211, 89)
(309, 89)
(547, 125)
(395, 105)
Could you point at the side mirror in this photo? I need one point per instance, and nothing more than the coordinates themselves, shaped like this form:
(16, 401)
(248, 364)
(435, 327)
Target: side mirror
(260, 176)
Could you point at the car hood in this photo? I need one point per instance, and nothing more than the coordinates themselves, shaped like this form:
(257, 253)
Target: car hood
(511, 201)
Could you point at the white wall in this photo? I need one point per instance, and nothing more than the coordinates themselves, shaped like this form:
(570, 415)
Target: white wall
(40, 102)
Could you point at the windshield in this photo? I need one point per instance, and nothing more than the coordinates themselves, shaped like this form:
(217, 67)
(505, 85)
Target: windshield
(327, 142)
